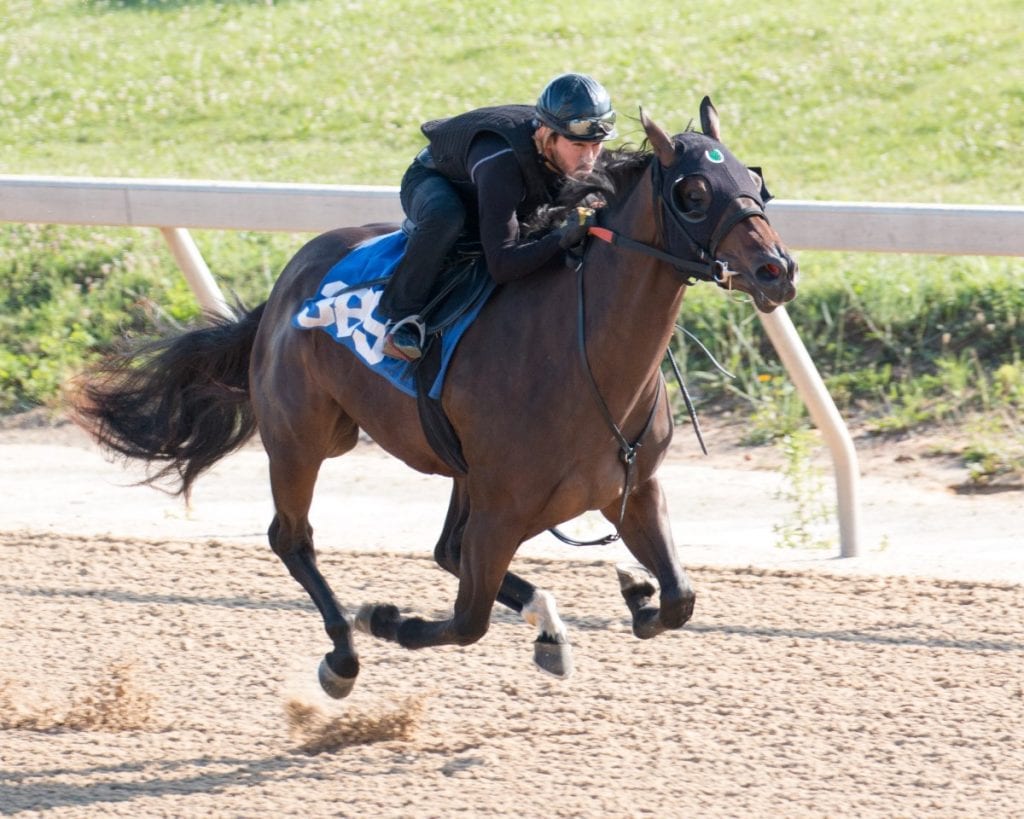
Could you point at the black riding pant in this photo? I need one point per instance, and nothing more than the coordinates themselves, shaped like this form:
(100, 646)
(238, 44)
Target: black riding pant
(436, 216)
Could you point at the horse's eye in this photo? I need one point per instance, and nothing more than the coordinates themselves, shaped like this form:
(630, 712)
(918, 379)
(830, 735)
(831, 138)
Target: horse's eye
(691, 197)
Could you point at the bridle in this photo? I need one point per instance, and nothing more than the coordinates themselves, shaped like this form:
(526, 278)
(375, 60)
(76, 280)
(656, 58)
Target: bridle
(700, 265)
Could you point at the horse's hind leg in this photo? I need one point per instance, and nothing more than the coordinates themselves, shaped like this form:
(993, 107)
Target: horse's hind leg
(488, 543)
(551, 649)
(515, 593)
(646, 532)
(292, 477)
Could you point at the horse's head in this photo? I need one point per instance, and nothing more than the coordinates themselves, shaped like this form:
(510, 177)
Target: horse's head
(712, 209)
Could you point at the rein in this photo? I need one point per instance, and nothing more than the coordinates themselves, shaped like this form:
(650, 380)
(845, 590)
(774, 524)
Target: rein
(627, 451)
(712, 271)
(706, 267)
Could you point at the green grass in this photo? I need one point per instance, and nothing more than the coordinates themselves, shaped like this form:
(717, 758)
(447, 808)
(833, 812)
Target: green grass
(901, 341)
(861, 100)
(850, 100)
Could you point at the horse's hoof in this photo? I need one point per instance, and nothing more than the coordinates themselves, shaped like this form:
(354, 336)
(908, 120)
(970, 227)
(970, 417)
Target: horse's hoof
(362, 618)
(635, 581)
(334, 685)
(379, 620)
(554, 658)
(647, 623)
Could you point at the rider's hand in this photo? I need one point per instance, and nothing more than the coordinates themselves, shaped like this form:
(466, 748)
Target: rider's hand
(574, 229)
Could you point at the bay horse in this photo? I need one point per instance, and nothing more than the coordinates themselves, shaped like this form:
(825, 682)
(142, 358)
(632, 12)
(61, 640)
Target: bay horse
(555, 393)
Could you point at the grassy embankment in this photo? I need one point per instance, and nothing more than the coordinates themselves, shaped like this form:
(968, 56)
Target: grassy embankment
(896, 101)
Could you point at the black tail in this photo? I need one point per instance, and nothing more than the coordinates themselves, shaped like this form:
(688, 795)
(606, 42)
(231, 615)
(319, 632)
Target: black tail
(180, 403)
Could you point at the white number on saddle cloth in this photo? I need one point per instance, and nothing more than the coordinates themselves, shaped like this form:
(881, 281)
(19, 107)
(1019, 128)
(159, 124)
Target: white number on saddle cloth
(350, 316)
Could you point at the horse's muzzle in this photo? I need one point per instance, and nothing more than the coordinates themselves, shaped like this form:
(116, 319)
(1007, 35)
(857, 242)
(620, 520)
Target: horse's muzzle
(774, 279)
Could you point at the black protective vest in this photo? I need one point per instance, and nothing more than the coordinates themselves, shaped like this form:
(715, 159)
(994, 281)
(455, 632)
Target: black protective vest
(450, 140)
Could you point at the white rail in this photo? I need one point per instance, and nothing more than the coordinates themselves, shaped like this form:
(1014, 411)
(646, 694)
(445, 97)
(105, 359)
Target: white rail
(953, 230)
(173, 206)
(856, 226)
(172, 203)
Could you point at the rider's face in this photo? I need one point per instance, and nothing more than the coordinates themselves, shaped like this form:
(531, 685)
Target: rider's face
(573, 158)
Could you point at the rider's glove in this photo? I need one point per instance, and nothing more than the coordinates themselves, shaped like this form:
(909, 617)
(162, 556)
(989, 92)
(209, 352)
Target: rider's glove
(574, 229)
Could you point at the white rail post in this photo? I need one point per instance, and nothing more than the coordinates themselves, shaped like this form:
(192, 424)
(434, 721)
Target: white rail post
(198, 275)
(822, 408)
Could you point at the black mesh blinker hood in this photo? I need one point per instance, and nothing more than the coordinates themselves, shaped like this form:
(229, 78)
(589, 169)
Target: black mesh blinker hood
(729, 179)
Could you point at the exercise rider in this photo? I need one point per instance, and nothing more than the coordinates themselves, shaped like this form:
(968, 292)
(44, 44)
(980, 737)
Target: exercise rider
(483, 172)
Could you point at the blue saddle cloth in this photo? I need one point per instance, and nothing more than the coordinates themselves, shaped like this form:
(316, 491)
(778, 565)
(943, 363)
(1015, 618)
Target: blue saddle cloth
(351, 318)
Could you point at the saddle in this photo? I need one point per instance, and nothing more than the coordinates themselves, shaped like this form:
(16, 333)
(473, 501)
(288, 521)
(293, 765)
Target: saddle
(345, 306)
(462, 285)
(462, 282)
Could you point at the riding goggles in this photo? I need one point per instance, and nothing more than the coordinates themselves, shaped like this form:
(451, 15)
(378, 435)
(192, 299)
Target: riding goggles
(590, 127)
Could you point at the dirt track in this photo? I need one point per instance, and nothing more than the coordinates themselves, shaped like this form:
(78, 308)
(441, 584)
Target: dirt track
(178, 678)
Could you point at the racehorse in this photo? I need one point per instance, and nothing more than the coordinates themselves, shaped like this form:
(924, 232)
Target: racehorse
(555, 393)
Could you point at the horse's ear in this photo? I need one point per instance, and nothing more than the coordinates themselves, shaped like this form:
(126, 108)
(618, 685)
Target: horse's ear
(709, 119)
(660, 141)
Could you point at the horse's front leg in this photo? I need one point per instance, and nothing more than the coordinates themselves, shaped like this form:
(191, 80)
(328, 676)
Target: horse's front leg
(647, 534)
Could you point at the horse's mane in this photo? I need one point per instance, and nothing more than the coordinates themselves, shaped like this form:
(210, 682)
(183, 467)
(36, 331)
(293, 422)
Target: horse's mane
(616, 174)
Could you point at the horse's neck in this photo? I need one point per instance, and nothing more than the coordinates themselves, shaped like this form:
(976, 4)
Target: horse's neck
(631, 299)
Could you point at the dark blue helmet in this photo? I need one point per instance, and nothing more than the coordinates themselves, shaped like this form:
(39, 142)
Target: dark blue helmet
(577, 107)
